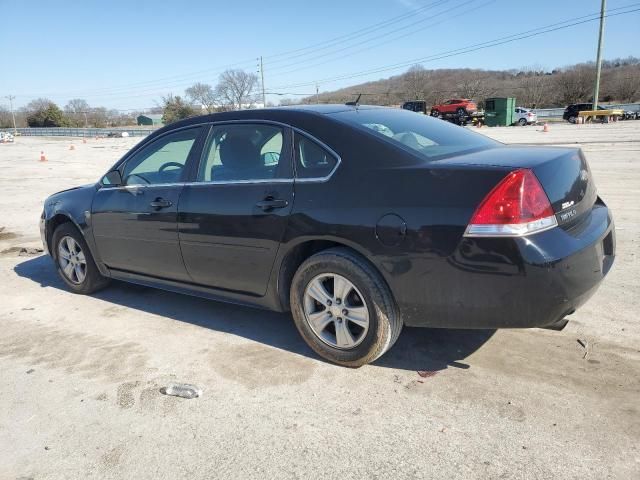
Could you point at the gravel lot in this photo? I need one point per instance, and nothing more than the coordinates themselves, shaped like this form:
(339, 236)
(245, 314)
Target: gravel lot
(81, 375)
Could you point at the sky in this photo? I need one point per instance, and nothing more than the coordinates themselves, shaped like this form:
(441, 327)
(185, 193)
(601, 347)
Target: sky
(127, 54)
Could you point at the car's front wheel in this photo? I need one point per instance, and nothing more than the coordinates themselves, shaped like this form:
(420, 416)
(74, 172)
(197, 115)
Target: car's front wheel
(74, 261)
(343, 308)
(522, 122)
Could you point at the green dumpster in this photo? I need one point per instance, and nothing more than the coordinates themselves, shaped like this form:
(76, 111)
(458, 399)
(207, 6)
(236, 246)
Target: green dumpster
(499, 111)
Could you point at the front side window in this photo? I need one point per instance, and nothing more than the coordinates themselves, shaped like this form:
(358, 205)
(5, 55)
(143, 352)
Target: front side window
(162, 161)
(244, 152)
(312, 160)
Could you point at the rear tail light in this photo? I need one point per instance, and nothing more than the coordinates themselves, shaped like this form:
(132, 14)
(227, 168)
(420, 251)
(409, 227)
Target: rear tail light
(517, 206)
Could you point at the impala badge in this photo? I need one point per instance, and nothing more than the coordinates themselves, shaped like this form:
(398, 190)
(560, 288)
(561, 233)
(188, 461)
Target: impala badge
(567, 215)
(567, 204)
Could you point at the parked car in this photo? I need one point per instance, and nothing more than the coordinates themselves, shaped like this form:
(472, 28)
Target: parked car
(524, 116)
(571, 112)
(357, 219)
(415, 106)
(629, 115)
(462, 106)
(6, 137)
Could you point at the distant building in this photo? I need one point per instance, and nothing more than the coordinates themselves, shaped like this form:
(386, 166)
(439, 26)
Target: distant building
(150, 119)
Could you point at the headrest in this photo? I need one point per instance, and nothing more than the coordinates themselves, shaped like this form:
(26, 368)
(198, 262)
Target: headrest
(237, 152)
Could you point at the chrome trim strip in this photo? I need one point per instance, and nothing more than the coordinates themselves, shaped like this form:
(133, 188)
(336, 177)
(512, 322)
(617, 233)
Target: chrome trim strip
(241, 182)
(511, 229)
(194, 184)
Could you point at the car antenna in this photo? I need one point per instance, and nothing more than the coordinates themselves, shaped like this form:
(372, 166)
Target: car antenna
(356, 103)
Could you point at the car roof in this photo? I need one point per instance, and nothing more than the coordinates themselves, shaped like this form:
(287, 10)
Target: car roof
(273, 113)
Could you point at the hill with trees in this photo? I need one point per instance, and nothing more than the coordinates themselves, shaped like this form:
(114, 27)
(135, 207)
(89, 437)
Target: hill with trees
(532, 86)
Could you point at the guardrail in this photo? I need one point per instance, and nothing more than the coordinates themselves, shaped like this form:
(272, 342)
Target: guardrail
(557, 112)
(77, 132)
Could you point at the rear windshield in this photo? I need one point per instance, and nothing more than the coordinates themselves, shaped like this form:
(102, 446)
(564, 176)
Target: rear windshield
(430, 137)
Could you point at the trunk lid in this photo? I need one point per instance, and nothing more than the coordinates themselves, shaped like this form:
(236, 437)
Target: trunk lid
(563, 173)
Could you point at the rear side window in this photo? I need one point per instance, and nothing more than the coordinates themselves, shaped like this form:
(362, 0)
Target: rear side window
(312, 160)
(427, 137)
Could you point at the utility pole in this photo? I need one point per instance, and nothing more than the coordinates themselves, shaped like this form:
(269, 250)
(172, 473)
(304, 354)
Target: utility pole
(317, 91)
(596, 92)
(13, 116)
(264, 98)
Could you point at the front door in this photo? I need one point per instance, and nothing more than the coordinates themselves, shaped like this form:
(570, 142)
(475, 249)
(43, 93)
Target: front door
(135, 224)
(232, 218)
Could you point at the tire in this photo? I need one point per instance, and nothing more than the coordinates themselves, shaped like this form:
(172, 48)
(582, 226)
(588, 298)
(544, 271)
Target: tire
(522, 122)
(92, 280)
(435, 113)
(367, 292)
(461, 112)
(571, 119)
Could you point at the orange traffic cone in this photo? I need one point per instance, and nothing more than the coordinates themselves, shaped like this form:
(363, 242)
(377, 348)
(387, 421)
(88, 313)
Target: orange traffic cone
(43, 158)
(72, 147)
(545, 128)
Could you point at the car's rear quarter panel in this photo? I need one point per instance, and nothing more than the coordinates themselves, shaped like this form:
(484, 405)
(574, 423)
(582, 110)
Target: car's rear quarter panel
(438, 277)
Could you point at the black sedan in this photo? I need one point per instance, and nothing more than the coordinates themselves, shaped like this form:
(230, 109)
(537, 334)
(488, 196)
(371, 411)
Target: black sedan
(358, 220)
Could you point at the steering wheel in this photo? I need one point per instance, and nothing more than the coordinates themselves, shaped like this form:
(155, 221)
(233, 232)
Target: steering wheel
(170, 164)
(137, 175)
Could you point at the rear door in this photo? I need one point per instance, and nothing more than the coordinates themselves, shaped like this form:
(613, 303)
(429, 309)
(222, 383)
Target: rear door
(135, 224)
(233, 216)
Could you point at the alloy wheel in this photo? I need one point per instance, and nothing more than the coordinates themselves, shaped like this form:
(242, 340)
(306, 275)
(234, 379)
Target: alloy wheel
(72, 260)
(336, 311)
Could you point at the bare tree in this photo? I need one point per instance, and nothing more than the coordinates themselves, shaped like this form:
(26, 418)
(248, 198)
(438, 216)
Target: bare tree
(626, 85)
(575, 84)
(203, 94)
(38, 104)
(415, 82)
(235, 88)
(474, 87)
(288, 101)
(76, 110)
(533, 87)
(98, 117)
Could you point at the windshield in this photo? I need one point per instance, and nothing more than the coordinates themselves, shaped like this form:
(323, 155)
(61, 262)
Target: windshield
(429, 137)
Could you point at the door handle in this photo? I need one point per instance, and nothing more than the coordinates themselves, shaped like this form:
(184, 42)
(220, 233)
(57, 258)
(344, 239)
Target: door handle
(271, 203)
(160, 203)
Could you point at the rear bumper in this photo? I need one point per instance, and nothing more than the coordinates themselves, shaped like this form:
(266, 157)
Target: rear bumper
(532, 281)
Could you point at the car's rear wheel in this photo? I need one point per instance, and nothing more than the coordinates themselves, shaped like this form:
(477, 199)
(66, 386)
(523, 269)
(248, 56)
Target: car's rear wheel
(461, 112)
(343, 308)
(435, 112)
(522, 122)
(572, 119)
(74, 261)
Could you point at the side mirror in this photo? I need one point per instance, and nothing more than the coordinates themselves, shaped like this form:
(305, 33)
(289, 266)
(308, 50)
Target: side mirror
(113, 178)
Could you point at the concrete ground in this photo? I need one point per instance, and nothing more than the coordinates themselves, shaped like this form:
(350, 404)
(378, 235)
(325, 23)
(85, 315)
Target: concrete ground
(80, 376)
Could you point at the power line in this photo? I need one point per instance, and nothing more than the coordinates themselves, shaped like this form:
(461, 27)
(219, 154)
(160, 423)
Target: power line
(463, 50)
(522, 35)
(474, 47)
(360, 32)
(405, 34)
(102, 92)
